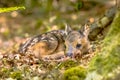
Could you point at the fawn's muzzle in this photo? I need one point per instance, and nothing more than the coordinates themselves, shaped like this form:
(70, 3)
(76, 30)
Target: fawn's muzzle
(69, 51)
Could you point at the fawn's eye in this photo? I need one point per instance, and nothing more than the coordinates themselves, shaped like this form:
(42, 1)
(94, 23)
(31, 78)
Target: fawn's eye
(78, 45)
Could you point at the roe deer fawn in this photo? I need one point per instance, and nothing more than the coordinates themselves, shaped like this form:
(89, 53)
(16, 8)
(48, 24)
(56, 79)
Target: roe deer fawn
(70, 41)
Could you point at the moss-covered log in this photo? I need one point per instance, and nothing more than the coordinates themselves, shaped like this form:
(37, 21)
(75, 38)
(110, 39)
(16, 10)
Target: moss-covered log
(106, 64)
(99, 26)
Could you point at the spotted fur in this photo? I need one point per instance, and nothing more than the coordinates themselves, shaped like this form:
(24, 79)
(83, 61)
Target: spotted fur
(44, 44)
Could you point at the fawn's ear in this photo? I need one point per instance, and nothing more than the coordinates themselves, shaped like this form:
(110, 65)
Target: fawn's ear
(67, 29)
(86, 30)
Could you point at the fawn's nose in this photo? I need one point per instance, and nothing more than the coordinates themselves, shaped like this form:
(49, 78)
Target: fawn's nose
(69, 55)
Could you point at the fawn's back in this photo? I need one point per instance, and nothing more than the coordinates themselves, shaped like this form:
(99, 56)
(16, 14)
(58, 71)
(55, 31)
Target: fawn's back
(44, 44)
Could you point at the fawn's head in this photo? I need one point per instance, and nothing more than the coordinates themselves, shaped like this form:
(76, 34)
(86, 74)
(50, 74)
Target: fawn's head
(76, 42)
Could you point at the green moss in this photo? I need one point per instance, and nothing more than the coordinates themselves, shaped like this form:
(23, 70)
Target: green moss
(109, 57)
(75, 73)
(4, 72)
(16, 75)
(68, 64)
